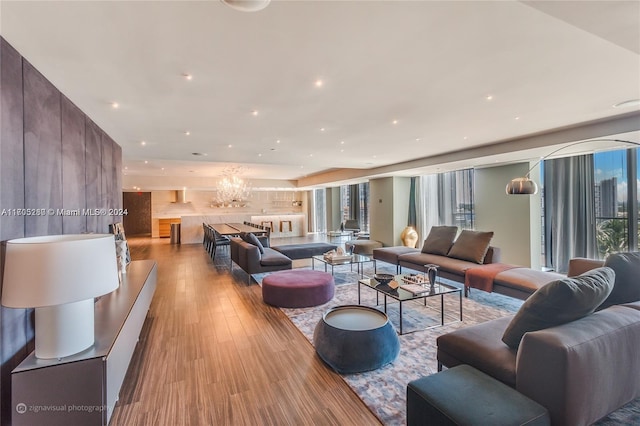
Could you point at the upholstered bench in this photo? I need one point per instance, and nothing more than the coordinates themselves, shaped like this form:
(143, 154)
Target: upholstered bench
(390, 254)
(463, 395)
(362, 246)
(297, 288)
(304, 251)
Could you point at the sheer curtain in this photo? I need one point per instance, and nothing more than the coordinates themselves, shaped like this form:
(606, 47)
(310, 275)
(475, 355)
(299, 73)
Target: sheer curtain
(570, 216)
(426, 205)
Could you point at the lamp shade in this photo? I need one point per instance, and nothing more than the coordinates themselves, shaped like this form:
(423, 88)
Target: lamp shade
(522, 186)
(58, 269)
(247, 5)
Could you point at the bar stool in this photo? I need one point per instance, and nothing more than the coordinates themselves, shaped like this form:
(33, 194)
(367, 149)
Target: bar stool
(282, 222)
(268, 223)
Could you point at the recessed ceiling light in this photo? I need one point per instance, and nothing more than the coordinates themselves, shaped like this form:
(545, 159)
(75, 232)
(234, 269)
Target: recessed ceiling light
(322, 129)
(115, 105)
(146, 162)
(395, 121)
(489, 97)
(162, 168)
(516, 118)
(229, 146)
(187, 133)
(319, 83)
(341, 142)
(143, 143)
(278, 141)
(126, 168)
(310, 155)
(254, 112)
(465, 138)
(259, 155)
(629, 103)
(187, 76)
(417, 139)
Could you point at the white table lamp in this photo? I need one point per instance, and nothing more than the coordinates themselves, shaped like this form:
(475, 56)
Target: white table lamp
(59, 276)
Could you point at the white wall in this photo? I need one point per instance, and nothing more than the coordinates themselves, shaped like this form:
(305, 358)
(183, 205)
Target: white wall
(514, 219)
(202, 203)
(388, 209)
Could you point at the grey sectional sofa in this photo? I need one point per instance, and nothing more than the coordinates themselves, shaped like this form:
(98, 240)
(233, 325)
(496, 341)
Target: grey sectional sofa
(580, 370)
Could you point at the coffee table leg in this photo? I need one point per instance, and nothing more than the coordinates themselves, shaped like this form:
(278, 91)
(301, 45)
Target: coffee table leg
(400, 317)
(460, 292)
(442, 309)
(359, 292)
(385, 303)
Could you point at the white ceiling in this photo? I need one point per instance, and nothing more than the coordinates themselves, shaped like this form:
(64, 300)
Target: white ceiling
(430, 65)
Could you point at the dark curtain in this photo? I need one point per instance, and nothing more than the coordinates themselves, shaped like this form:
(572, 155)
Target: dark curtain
(412, 203)
(570, 214)
(354, 202)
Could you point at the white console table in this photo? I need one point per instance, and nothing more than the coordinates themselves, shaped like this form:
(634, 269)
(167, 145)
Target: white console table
(83, 389)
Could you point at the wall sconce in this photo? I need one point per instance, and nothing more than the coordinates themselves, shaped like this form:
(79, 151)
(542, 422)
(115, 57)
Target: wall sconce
(59, 276)
(525, 186)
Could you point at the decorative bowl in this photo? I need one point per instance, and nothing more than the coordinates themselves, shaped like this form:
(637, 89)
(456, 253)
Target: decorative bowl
(383, 278)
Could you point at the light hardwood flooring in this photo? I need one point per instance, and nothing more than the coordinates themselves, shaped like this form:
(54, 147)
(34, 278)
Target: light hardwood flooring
(212, 353)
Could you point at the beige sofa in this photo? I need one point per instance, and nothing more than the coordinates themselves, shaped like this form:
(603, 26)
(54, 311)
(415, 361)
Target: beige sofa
(471, 249)
(581, 370)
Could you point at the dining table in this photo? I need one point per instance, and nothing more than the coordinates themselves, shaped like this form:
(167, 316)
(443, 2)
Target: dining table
(228, 229)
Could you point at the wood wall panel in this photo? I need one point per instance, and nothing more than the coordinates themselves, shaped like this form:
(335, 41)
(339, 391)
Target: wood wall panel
(106, 182)
(42, 152)
(40, 132)
(138, 205)
(73, 168)
(13, 322)
(93, 170)
(116, 194)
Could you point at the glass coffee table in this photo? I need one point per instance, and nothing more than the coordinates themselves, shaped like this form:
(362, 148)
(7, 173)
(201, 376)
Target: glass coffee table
(355, 259)
(401, 295)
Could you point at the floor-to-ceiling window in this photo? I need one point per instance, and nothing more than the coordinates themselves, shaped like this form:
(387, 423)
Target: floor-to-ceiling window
(615, 198)
(354, 204)
(318, 210)
(611, 201)
(445, 199)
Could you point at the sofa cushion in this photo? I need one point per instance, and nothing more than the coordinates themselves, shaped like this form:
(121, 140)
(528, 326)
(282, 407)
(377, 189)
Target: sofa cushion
(480, 346)
(559, 302)
(252, 239)
(627, 286)
(440, 240)
(274, 258)
(471, 246)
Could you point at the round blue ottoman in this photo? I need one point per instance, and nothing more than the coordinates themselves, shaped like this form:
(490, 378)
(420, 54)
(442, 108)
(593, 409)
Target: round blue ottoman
(354, 338)
(297, 288)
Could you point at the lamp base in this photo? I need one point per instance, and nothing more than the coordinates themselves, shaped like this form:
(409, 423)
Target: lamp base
(64, 330)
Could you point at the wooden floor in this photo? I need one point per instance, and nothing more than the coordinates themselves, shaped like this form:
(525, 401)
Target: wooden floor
(212, 353)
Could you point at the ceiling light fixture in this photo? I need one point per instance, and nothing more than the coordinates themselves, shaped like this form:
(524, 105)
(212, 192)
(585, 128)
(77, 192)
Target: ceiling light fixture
(489, 97)
(187, 76)
(254, 113)
(319, 83)
(232, 190)
(143, 143)
(115, 105)
(247, 5)
(395, 121)
(525, 186)
(187, 133)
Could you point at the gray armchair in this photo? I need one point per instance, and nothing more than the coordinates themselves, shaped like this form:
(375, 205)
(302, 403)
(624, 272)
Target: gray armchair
(351, 225)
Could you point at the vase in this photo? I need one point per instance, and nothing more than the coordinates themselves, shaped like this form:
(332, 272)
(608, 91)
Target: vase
(409, 237)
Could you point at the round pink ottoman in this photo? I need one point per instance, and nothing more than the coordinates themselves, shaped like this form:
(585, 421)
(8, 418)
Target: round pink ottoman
(297, 288)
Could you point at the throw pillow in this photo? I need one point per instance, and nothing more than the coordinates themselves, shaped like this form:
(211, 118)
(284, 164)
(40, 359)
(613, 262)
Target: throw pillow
(559, 302)
(627, 287)
(440, 240)
(252, 239)
(471, 246)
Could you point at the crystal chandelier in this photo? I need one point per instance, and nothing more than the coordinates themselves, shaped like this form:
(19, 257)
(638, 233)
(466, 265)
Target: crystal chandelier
(232, 191)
